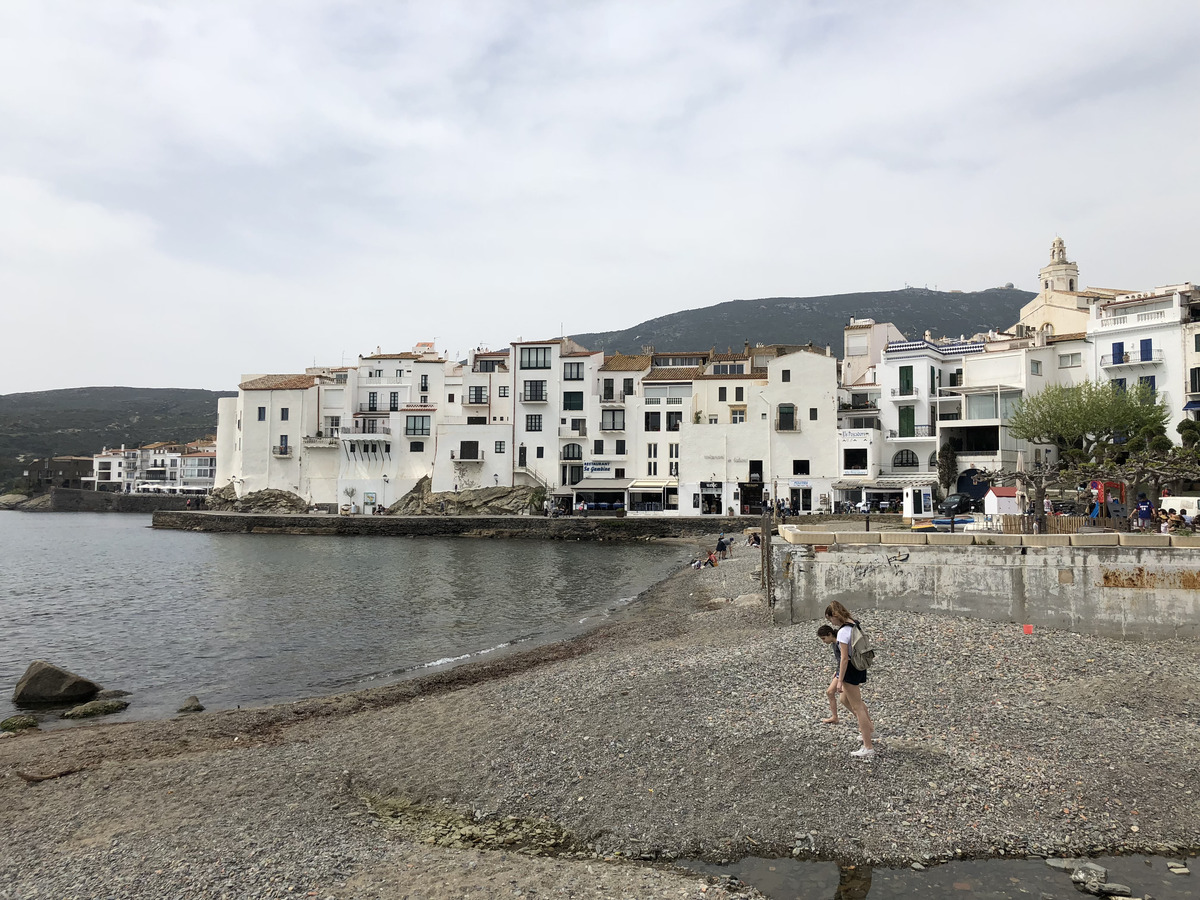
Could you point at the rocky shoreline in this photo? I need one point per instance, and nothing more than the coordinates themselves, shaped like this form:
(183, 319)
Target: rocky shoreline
(687, 728)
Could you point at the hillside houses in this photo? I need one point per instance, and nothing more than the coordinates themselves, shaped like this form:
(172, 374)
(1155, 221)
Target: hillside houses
(686, 431)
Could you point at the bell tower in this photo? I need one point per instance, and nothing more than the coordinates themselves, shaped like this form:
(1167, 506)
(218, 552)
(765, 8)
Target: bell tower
(1061, 274)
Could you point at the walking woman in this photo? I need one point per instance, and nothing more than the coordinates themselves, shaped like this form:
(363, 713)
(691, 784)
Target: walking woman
(849, 680)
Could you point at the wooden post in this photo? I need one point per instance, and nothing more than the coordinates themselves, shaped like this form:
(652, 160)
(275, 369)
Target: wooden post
(765, 535)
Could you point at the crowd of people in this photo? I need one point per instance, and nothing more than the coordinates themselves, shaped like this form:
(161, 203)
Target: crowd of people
(1165, 520)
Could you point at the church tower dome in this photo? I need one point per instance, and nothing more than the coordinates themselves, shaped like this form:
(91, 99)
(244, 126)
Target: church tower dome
(1061, 274)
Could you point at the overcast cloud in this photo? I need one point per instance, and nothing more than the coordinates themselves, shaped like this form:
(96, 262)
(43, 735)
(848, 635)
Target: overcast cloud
(192, 191)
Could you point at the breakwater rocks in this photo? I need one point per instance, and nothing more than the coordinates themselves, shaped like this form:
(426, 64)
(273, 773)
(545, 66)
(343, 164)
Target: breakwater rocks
(571, 528)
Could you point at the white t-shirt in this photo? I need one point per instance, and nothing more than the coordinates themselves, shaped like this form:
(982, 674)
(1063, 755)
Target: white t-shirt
(844, 633)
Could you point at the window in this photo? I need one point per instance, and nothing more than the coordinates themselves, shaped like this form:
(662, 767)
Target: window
(674, 419)
(618, 473)
(673, 451)
(906, 381)
(787, 374)
(653, 421)
(502, 390)
(476, 420)
(485, 365)
(573, 371)
(712, 420)
(620, 449)
(812, 414)
(787, 417)
(477, 394)
(541, 452)
(612, 420)
(854, 459)
(799, 466)
(535, 357)
(739, 394)
(737, 416)
(416, 446)
(424, 382)
(373, 401)
(652, 457)
(729, 369)
(627, 387)
(905, 459)
(1196, 344)
(981, 406)
(534, 390)
(416, 425)
(598, 447)
(449, 398)
(262, 414)
(1070, 360)
(394, 401)
(572, 451)
(1119, 383)
(533, 423)
(1035, 367)
(722, 394)
(1194, 381)
(283, 414)
(652, 451)
(573, 400)
(499, 446)
(387, 448)
(1148, 381)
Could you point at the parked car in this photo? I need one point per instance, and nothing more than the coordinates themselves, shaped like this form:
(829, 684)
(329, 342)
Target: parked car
(957, 504)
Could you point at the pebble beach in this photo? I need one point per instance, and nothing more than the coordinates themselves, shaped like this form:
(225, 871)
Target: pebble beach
(686, 727)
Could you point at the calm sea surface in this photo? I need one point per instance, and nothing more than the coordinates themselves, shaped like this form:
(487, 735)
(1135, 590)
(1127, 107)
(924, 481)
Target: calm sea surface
(251, 619)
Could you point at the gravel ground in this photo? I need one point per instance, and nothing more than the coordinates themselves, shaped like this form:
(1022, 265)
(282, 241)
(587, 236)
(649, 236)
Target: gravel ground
(689, 727)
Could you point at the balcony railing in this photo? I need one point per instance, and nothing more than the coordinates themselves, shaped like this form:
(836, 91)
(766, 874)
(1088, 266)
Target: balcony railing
(283, 450)
(918, 431)
(458, 456)
(357, 429)
(949, 417)
(1131, 357)
(613, 398)
(382, 381)
(913, 391)
(320, 439)
(535, 396)
(790, 424)
(872, 405)
(378, 407)
(474, 400)
(567, 431)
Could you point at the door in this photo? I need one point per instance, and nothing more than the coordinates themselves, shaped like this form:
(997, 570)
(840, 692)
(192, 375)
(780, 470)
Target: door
(908, 421)
(1147, 350)
(1118, 352)
(521, 457)
(906, 381)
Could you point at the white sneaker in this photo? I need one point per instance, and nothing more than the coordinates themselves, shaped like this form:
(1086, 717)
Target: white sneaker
(862, 753)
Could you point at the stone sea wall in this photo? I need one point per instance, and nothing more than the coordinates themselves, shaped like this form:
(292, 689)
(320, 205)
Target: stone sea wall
(75, 500)
(1115, 591)
(568, 528)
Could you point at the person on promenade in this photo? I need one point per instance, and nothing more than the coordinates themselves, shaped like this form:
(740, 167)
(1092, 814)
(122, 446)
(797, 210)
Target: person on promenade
(849, 680)
(1145, 511)
(829, 636)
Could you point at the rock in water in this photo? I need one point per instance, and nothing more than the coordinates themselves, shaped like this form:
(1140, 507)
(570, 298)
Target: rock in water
(18, 723)
(96, 708)
(192, 704)
(111, 694)
(44, 682)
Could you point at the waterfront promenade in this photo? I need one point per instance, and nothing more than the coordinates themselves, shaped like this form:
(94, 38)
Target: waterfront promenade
(689, 728)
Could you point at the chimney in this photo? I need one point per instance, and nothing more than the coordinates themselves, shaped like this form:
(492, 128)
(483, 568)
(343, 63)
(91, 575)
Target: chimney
(828, 350)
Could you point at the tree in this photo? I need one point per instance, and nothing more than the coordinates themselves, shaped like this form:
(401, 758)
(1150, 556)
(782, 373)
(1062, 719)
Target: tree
(1089, 425)
(947, 466)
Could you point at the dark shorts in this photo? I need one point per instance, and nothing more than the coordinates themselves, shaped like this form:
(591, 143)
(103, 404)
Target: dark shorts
(854, 676)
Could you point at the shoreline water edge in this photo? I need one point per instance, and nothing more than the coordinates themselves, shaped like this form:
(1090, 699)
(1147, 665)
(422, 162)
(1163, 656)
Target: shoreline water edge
(687, 727)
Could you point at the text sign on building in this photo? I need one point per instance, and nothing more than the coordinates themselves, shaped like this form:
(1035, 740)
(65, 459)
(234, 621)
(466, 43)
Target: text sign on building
(856, 434)
(598, 468)
(800, 483)
(710, 486)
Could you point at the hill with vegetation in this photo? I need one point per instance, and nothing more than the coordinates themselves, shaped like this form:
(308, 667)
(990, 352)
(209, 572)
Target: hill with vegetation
(820, 320)
(82, 421)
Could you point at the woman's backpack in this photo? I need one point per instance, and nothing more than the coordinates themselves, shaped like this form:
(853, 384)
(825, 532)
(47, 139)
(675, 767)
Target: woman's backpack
(862, 654)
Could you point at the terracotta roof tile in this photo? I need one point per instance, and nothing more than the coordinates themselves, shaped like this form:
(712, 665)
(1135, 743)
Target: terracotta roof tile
(686, 374)
(279, 383)
(620, 362)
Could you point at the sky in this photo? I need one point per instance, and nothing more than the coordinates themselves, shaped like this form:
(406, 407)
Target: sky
(190, 192)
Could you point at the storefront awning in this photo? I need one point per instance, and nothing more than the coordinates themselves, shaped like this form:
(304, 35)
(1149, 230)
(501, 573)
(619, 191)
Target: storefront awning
(1191, 404)
(652, 484)
(911, 481)
(852, 485)
(602, 485)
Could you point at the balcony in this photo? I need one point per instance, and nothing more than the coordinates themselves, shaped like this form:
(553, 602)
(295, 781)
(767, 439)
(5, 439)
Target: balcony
(870, 406)
(535, 396)
(472, 400)
(359, 429)
(613, 399)
(283, 450)
(381, 409)
(906, 392)
(787, 424)
(568, 431)
(1131, 358)
(457, 456)
(381, 381)
(918, 431)
(320, 439)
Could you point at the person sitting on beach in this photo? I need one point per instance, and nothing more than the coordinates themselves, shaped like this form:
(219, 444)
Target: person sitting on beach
(711, 560)
(753, 539)
(829, 636)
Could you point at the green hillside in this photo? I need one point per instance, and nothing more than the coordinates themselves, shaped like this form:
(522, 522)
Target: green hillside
(799, 320)
(80, 421)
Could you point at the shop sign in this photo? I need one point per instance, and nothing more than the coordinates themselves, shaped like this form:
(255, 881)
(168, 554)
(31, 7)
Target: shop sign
(856, 434)
(598, 468)
(800, 483)
(710, 487)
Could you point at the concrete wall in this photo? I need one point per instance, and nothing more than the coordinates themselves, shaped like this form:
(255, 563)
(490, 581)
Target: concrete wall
(570, 528)
(1115, 591)
(71, 500)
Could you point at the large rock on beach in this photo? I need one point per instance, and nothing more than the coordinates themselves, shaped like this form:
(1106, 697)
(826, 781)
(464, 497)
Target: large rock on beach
(192, 704)
(471, 501)
(18, 723)
(96, 708)
(266, 501)
(45, 682)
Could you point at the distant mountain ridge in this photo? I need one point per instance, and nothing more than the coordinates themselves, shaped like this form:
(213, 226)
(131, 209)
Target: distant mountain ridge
(80, 421)
(799, 320)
